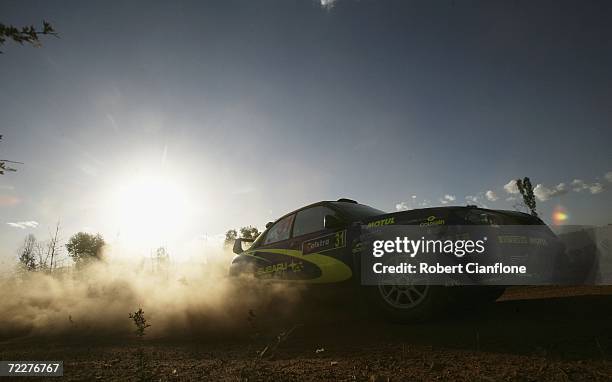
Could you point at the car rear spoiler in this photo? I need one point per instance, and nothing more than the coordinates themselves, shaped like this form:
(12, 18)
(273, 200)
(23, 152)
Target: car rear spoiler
(238, 245)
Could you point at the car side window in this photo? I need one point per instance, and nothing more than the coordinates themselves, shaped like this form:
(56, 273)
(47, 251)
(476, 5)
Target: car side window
(280, 230)
(311, 220)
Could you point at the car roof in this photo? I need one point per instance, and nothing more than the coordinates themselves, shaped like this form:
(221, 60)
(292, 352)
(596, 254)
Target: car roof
(321, 203)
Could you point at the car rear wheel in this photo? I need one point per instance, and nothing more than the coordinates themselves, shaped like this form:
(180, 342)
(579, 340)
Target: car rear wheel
(403, 296)
(408, 303)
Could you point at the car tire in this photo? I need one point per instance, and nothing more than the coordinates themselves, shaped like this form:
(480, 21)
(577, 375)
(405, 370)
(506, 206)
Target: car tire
(408, 303)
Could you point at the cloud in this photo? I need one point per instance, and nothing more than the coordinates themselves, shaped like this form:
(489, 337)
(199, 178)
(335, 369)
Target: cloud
(596, 188)
(478, 199)
(328, 4)
(472, 198)
(544, 193)
(511, 187)
(425, 203)
(401, 206)
(24, 225)
(447, 198)
(578, 185)
(608, 176)
(491, 196)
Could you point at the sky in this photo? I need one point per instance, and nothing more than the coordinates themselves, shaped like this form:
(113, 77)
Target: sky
(167, 123)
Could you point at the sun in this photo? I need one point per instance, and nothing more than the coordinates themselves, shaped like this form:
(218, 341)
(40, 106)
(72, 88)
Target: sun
(149, 210)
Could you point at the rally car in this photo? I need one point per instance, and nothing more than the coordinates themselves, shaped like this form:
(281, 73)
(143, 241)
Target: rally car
(321, 244)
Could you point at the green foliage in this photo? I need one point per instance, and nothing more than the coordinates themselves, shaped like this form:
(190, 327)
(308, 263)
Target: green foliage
(526, 190)
(84, 248)
(249, 232)
(27, 259)
(230, 236)
(142, 365)
(3, 167)
(27, 34)
(140, 322)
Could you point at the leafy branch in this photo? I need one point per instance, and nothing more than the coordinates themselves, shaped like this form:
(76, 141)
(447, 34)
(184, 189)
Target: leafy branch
(140, 322)
(27, 34)
(3, 167)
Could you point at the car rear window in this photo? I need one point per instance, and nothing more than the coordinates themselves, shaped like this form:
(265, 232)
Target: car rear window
(357, 211)
(311, 220)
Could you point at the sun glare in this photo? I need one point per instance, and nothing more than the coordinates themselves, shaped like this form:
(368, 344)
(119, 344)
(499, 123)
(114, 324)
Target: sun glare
(150, 211)
(559, 215)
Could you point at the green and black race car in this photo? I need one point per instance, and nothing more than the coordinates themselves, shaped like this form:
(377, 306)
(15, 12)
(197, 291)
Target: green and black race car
(321, 244)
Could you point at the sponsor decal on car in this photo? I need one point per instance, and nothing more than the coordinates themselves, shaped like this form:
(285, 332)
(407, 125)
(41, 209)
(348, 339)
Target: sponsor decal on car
(294, 267)
(432, 221)
(325, 243)
(382, 222)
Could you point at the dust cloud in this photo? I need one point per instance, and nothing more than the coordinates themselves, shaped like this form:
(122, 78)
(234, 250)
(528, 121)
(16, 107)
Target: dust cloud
(178, 300)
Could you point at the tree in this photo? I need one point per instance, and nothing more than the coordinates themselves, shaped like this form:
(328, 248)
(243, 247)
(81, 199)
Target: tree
(160, 260)
(230, 236)
(3, 167)
(249, 232)
(42, 263)
(50, 249)
(27, 258)
(27, 34)
(85, 248)
(526, 190)
(40, 255)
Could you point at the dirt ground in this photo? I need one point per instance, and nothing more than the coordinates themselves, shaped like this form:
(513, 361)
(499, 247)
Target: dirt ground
(529, 334)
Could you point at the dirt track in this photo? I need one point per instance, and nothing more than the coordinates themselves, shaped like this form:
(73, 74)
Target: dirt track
(530, 334)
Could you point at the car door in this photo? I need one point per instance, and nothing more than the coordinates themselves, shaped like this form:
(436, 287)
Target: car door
(299, 248)
(272, 254)
(316, 245)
